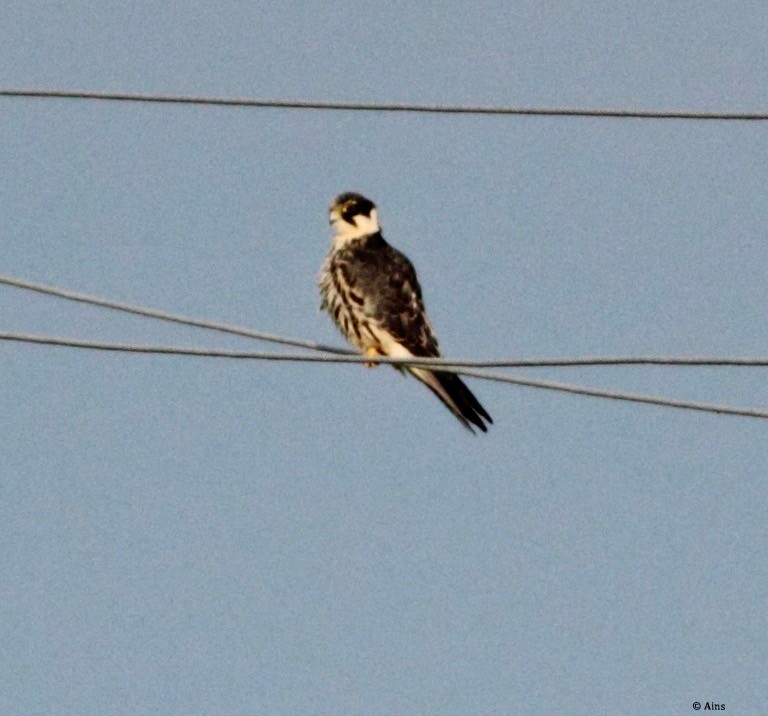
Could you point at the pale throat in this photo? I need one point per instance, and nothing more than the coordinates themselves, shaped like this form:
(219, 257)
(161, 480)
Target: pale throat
(345, 232)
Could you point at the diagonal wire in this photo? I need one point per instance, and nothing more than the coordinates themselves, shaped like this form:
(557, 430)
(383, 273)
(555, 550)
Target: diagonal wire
(483, 375)
(342, 355)
(386, 106)
(629, 397)
(165, 316)
(354, 357)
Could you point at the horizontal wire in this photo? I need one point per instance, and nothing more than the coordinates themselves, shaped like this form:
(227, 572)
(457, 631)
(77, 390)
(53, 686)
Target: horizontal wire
(201, 352)
(388, 106)
(342, 355)
(483, 375)
(611, 361)
(418, 361)
(354, 357)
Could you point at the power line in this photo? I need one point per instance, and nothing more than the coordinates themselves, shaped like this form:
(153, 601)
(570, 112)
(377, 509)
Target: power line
(343, 355)
(434, 363)
(164, 316)
(388, 106)
(630, 397)
(354, 357)
(483, 375)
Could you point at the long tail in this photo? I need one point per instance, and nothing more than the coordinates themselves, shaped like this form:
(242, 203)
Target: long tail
(456, 396)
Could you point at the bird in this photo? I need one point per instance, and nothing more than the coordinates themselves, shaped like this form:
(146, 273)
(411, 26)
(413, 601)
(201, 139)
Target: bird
(371, 292)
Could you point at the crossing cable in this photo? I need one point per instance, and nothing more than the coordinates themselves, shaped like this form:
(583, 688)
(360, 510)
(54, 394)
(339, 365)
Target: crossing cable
(441, 366)
(354, 357)
(164, 316)
(386, 106)
(347, 356)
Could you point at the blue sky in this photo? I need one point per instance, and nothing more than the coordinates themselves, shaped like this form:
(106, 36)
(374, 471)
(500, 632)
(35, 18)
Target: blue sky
(203, 536)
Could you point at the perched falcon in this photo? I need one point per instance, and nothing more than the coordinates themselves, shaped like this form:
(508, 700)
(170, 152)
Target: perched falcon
(371, 291)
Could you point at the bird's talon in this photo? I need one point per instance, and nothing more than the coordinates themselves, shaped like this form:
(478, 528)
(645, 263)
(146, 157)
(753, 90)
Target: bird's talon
(370, 352)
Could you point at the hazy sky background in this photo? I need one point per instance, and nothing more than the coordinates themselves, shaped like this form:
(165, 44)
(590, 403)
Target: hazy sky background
(185, 535)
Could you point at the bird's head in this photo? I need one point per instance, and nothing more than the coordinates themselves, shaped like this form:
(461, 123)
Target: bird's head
(352, 216)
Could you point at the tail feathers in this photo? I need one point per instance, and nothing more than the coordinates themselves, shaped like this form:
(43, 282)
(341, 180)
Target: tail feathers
(459, 399)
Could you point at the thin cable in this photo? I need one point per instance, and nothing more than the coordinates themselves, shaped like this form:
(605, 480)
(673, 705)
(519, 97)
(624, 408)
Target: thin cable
(354, 357)
(483, 375)
(200, 352)
(386, 106)
(164, 316)
(630, 397)
(609, 361)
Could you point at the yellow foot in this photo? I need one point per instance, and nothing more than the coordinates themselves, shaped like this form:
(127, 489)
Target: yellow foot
(370, 352)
